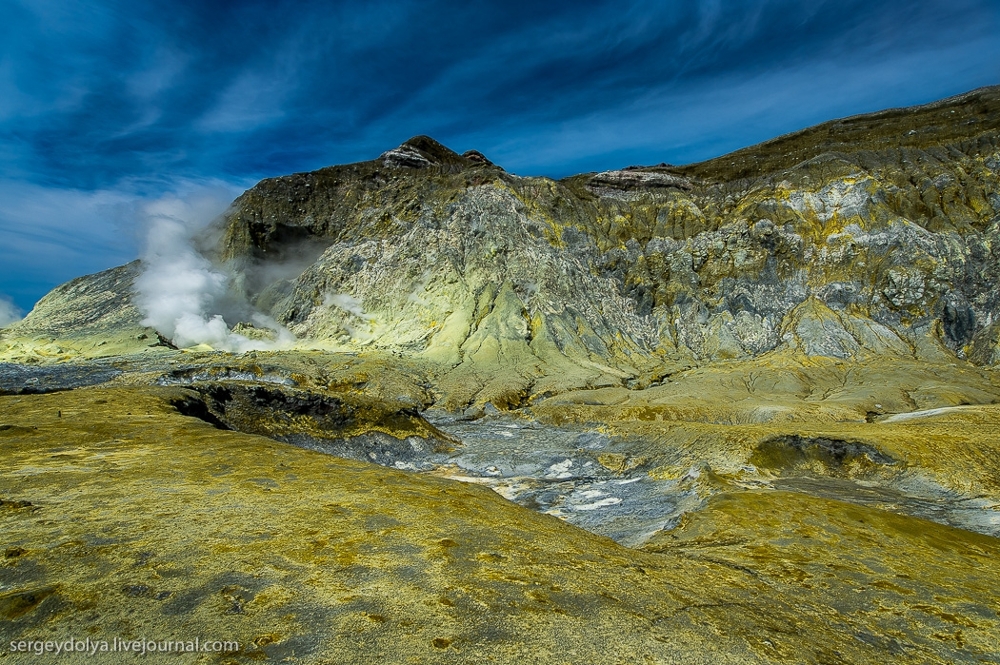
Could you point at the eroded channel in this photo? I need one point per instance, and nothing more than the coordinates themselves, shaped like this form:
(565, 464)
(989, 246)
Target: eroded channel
(562, 472)
(577, 475)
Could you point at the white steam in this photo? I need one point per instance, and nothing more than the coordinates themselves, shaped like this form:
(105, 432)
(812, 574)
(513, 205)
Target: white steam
(351, 305)
(9, 312)
(183, 295)
(348, 303)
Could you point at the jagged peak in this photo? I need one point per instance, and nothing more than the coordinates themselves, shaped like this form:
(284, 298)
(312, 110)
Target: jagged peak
(423, 151)
(476, 156)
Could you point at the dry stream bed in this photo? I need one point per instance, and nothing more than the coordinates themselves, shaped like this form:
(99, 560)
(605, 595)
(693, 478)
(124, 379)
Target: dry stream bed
(578, 474)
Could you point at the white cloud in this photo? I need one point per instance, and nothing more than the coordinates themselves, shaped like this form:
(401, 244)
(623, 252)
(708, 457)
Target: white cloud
(250, 101)
(51, 235)
(257, 96)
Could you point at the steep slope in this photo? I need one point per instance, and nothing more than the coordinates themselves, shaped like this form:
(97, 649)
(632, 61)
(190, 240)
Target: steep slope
(873, 235)
(88, 316)
(887, 223)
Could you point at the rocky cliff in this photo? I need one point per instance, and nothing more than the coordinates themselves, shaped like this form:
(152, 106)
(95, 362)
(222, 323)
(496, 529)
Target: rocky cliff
(872, 235)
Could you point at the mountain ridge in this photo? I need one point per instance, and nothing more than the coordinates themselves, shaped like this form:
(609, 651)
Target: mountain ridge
(886, 249)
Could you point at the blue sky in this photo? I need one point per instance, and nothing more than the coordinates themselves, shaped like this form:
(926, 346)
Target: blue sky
(106, 106)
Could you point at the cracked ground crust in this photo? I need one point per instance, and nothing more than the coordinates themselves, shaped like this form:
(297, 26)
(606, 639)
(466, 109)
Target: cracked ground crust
(143, 520)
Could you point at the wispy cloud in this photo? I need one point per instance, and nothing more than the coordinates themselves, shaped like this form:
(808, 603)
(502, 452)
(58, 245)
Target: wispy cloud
(49, 235)
(729, 112)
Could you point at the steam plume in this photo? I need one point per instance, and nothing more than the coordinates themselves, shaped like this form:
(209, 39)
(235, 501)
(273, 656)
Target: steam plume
(9, 312)
(183, 295)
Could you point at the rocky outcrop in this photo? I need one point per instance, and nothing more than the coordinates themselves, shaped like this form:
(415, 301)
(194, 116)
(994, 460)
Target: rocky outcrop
(890, 232)
(638, 178)
(870, 235)
(423, 151)
(476, 156)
